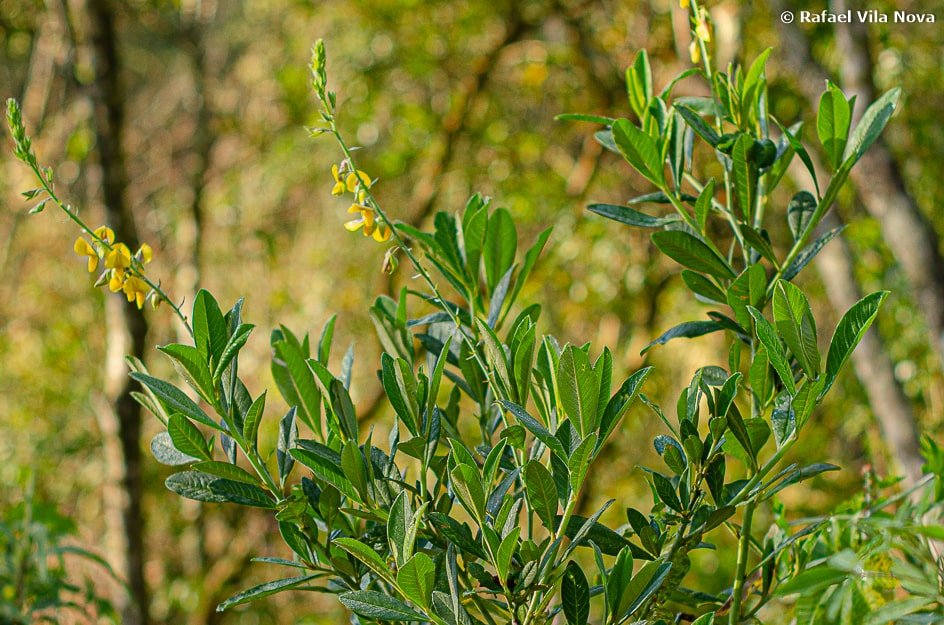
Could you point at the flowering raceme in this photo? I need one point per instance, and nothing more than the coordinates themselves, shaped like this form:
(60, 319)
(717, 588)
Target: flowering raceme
(123, 271)
(368, 221)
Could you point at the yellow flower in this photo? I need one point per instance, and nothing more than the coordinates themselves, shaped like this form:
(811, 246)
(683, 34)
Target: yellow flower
(339, 185)
(684, 3)
(366, 220)
(105, 234)
(145, 253)
(694, 51)
(701, 28)
(381, 233)
(118, 257)
(84, 248)
(117, 280)
(352, 180)
(136, 290)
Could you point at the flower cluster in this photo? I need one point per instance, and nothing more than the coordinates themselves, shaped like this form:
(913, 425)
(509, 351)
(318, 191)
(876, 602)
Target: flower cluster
(702, 35)
(357, 182)
(123, 270)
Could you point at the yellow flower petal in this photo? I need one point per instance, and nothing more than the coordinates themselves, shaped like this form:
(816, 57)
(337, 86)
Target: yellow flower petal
(117, 282)
(92, 263)
(368, 217)
(382, 233)
(702, 31)
(694, 51)
(146, 253)
(105, 234)
(119, 257)
(354, 225)
(352, 180)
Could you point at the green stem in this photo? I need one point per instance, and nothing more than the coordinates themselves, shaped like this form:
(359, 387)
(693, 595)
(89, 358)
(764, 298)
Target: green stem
(744, 545)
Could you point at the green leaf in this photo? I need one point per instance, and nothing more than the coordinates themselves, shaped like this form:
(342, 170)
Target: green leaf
(166, 453)
(666, 492)
(810, 251)
(541, 492)
(209, 328)
(379, 606)
(201, 486)
(264, 590)
(326, 465)
(870, 126)
(703, 286)
(639, 84)
(174, 400)
(690, 252)
(227, 471)
(575, 595)
(832, 124)
(233, 345)
(296, 381)
(579, 389)
(579, 461)
(644, 584)
(849, 332)
(796, 325)
(631, 216)
(771, 342)
(416, 578)
(187, 438)
(749, 289)
(253, 419)
(501, 243)
(810, 580)
(192, 365)
(506, 551)
(582, 117)
(639, 149)
(799, 212)
(703, 204)
(537, 430)
(366, 555)
(744, 172)
(695, 121)
(687, 330)
(467, 484)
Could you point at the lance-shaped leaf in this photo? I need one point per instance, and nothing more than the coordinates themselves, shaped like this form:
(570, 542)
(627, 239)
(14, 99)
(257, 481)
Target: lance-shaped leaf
(796, 325)
(870, 126)
(687, 330)
(579, 389)
(690, 252)
(631, 216)
(264, 590)
(541, 492)
(832, 123)
(771, 342)
(379, 606)
(416, 578)
(365, 554)
(639, 149)
(849, 332)
(575, 595)
(187, 438)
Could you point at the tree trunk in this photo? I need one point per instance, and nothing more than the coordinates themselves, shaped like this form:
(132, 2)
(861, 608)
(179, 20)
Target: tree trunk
(127, 327)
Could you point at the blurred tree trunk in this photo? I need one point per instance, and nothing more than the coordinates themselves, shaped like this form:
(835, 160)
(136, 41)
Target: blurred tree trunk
(877, 178)
(126, 326)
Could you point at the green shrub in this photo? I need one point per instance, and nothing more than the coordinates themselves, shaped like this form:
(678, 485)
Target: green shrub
(465, 510)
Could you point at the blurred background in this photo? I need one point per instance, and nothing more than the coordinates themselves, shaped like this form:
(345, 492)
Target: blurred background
(182, 123)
